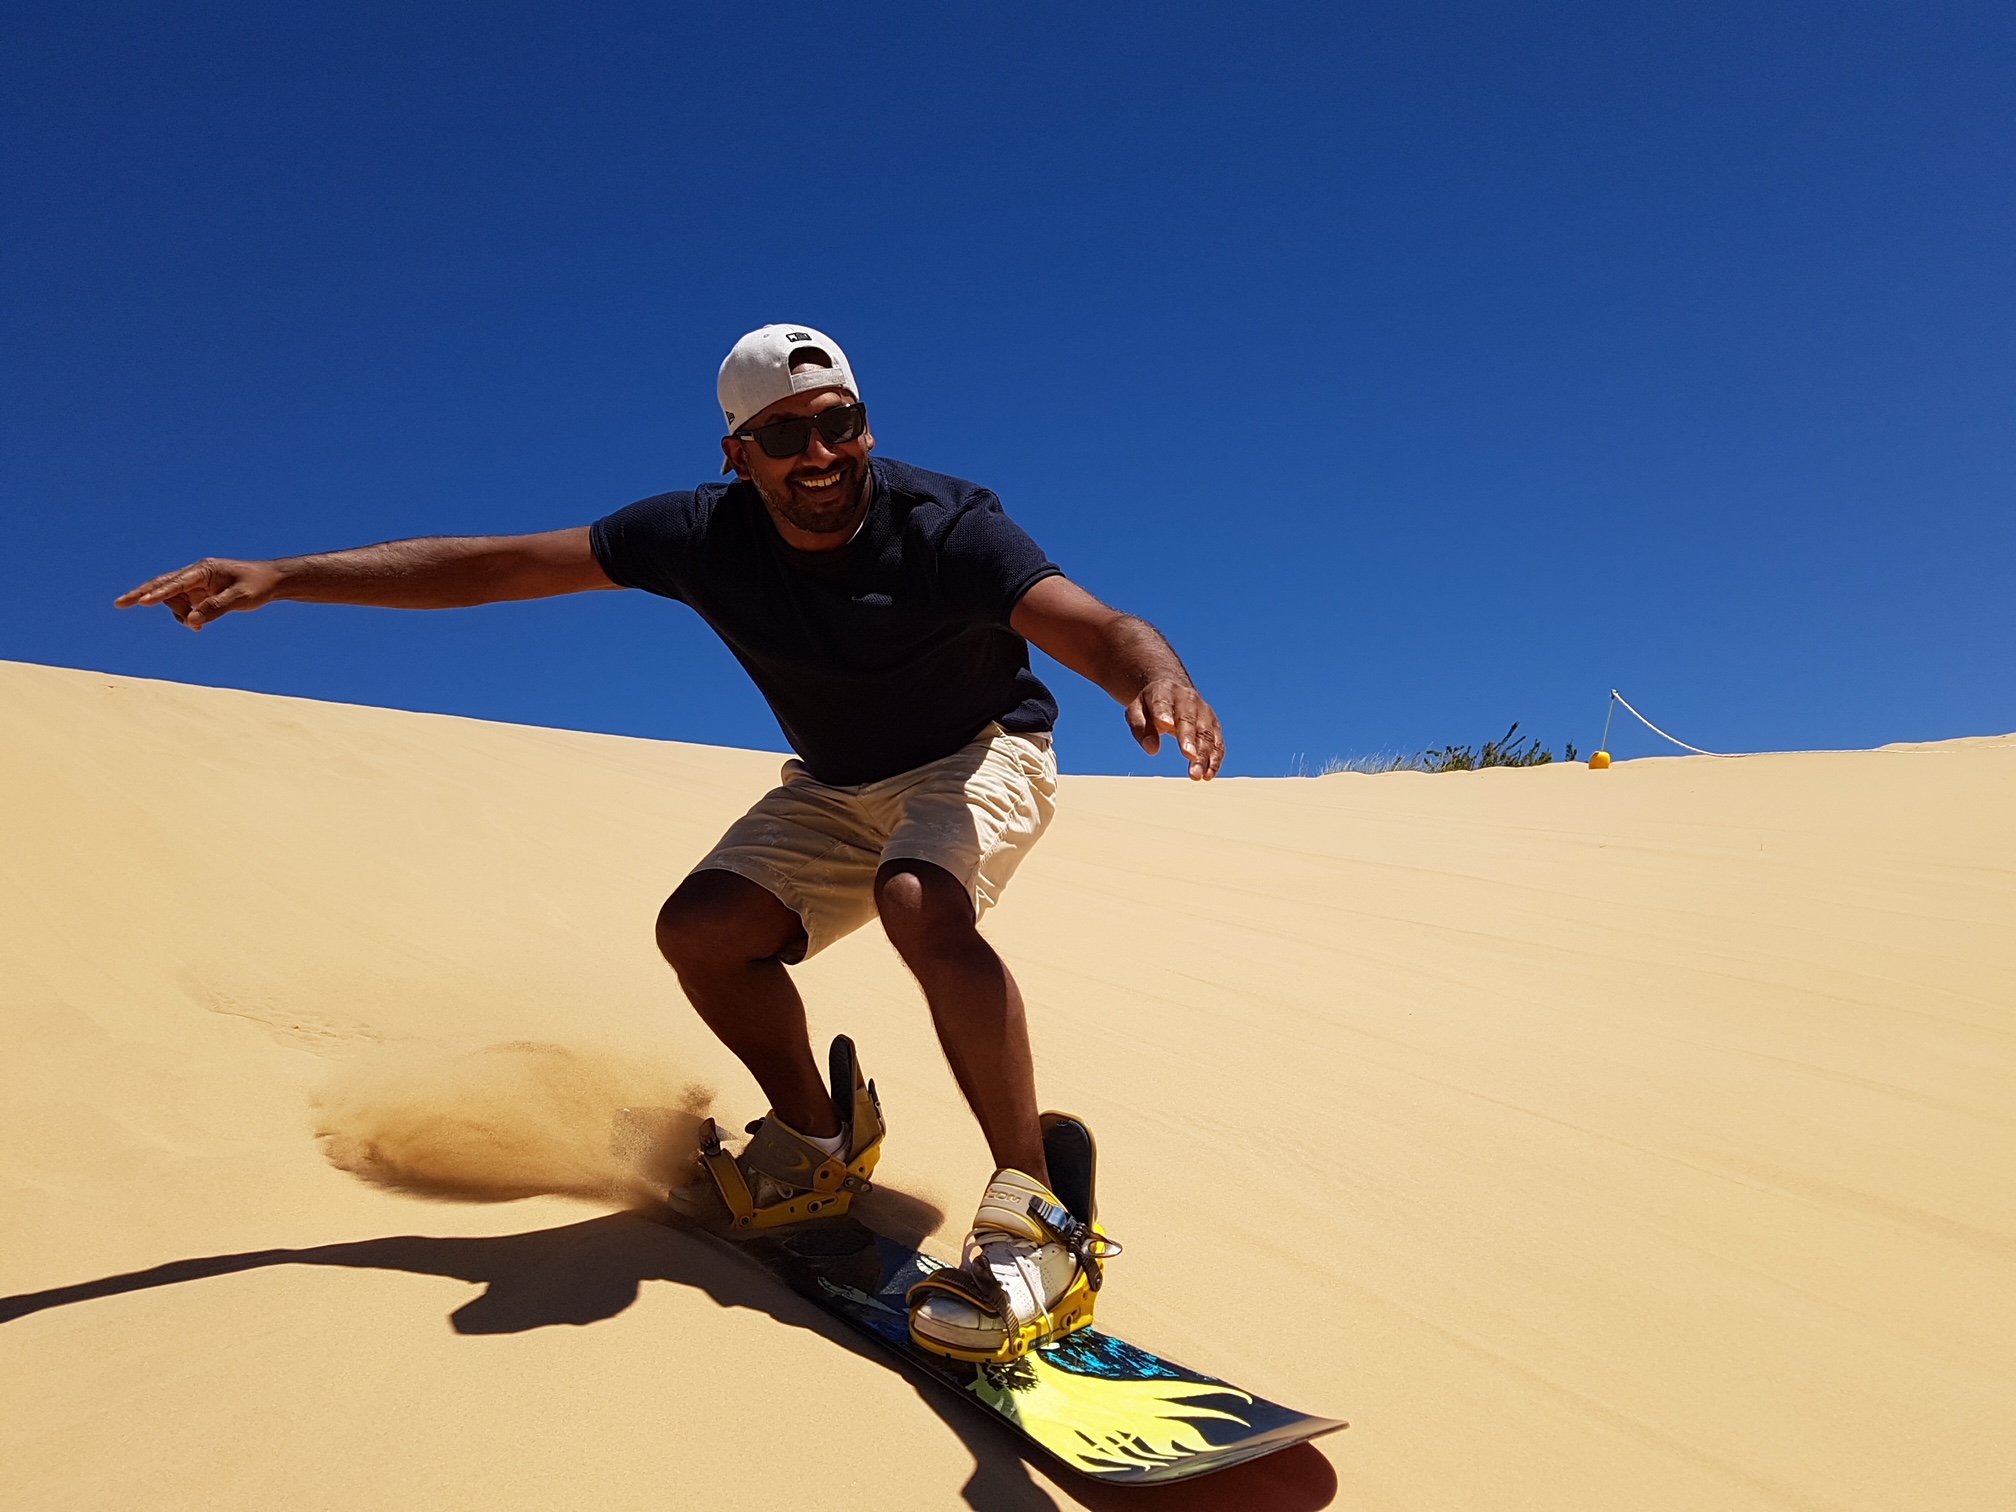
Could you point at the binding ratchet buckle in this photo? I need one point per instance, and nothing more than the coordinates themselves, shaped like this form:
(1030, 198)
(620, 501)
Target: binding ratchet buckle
(1087, 1245)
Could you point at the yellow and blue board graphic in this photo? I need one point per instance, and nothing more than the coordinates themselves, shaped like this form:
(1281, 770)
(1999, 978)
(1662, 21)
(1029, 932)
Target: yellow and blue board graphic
(1103, 1407)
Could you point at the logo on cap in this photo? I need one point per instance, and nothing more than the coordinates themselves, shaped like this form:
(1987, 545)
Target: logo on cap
(797, 335)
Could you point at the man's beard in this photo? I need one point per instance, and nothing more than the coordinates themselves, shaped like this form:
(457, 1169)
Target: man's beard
(816, 516)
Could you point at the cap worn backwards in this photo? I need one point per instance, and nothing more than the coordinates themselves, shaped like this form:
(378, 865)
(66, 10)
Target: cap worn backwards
(757, 371)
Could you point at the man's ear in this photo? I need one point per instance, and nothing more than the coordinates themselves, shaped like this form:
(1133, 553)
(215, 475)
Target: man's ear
(735, 456)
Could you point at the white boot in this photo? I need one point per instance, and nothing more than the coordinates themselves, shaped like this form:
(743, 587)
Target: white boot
(782, 1176)
(1031, 1272)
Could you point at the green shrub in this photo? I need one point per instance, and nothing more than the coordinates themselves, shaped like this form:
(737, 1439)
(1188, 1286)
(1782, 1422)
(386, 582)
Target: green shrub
(1505, 751)
(1502, 752)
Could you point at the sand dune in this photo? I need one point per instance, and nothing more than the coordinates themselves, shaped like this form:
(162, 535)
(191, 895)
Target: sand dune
(1637, 1139)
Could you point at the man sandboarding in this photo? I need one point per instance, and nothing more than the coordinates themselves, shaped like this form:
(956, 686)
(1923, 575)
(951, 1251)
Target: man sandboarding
(886, 614)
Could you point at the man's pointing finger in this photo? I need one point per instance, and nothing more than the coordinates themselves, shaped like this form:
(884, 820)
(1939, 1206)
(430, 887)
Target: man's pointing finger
(148, 592)
(160, 589)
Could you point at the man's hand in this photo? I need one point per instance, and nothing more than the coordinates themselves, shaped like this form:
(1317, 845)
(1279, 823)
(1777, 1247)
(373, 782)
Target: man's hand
(1166, 706)
(1129, 659)
(202, 591)
(432, 572)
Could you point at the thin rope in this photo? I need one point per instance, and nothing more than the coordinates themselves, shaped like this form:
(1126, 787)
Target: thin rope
(1620, 698)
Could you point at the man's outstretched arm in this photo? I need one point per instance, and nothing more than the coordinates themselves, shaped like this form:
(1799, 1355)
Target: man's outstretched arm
(1129, 659)
(438, 572)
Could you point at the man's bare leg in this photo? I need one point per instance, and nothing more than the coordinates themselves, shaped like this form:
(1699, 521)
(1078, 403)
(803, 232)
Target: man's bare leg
(974, 1004)
(725, 937)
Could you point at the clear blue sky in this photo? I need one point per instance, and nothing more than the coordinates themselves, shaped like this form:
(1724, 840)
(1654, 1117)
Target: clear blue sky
(1417, 368)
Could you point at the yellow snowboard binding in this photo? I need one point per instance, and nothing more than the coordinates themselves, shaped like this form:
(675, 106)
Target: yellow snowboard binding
(1033, 1264)
(781, 1176)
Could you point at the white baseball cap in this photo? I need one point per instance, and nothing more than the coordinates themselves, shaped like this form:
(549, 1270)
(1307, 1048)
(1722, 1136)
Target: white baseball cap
(757, 371)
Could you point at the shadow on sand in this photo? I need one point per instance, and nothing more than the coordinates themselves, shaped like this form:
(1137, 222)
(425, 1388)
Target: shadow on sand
(589, 1272)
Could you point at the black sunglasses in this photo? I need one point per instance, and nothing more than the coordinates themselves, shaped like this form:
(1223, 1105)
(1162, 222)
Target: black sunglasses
(788, 438)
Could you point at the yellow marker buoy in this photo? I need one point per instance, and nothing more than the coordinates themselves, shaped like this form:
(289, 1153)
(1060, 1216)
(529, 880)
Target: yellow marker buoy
(1600, 762)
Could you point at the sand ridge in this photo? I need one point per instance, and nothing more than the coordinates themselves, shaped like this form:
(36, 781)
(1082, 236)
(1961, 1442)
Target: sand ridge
(1639, 1138)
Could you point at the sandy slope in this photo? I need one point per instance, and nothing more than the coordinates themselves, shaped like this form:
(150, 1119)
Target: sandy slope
(1640, 1139)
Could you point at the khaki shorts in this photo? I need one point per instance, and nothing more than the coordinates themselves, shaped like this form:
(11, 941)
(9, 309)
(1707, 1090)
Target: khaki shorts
(816, 847)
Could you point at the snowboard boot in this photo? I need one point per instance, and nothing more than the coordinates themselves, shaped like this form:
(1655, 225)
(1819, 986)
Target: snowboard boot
(781, 1176)
(1033, 1263)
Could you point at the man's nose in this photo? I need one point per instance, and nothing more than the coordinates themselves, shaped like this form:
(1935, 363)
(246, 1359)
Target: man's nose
(818, 453)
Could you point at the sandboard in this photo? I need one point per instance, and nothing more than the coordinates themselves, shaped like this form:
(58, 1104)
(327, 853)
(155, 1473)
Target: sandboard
(1095, 1403)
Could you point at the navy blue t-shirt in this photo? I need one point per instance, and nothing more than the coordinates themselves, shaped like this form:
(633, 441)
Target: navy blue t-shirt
(876, 657)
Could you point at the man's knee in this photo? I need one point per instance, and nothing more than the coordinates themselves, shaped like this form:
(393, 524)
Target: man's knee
(719, 918)
(924, 908)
